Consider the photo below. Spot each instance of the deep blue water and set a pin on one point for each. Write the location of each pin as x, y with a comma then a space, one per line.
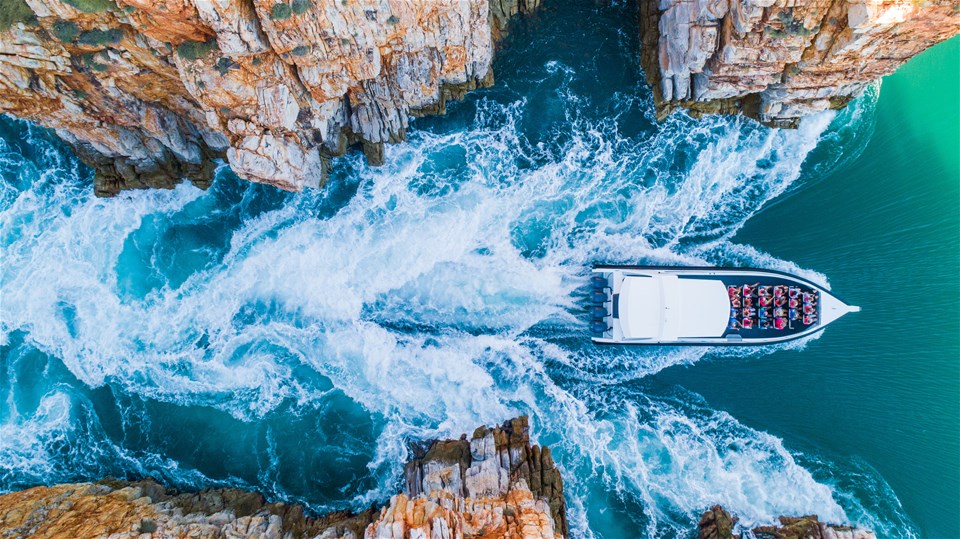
294, 343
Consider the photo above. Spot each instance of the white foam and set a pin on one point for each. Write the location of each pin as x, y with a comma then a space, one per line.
437, 301
26, 443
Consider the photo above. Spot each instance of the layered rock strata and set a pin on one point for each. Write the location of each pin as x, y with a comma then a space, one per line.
717, 523
779, 60
494, 485
148, 91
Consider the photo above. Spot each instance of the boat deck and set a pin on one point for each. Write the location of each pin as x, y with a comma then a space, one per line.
792, 326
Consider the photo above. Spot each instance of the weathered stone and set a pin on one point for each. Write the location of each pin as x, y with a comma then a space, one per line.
491, 465
456, 489
149, 91
717, 523
779, 60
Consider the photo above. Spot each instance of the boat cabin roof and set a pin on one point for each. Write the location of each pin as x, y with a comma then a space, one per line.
666, 307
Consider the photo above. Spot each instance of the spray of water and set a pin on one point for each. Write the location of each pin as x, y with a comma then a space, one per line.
437, 293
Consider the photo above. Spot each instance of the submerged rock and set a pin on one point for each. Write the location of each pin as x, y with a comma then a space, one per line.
717, 523
494, 485
150, 91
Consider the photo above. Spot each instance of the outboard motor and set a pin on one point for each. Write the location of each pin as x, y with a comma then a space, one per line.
599, 282
598, 312
598, 297
599, 327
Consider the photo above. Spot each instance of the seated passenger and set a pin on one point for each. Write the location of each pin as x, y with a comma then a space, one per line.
766, 301
735, 302
794, 303
808, 297
765, 313
764, 323
779, 312
780, 323
766, 291
747, 323
794, 314
809, 319
733, 291
794, 292
734, 324
748, 302
749, 312
809, 309
779, 291
750, 289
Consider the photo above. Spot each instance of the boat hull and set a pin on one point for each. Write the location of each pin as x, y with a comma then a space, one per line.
701, 306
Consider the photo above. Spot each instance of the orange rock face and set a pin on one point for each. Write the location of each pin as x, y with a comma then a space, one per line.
778, 60
493, 486
149, 91
70, 511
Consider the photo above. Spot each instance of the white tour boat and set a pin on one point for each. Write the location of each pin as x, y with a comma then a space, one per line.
706, 306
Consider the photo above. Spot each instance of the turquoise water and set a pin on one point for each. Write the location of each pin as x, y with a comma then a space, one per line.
294, 343
883, 388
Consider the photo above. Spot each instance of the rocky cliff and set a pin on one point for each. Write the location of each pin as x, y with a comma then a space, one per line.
778, 60
148, 91
494, 485
717, 523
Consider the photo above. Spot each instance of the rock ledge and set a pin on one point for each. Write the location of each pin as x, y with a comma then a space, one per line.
717, 523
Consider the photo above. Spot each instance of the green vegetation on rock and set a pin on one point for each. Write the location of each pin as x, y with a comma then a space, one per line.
194, 50
281, 11
224, 65
100, 37
300, 7
92, 6
14, 11
302, 50
65, 31
791, 27
284, 10
90, 60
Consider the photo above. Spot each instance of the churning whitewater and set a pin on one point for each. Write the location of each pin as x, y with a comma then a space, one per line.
294, 343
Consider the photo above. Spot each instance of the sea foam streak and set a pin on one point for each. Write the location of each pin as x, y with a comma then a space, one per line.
444, 293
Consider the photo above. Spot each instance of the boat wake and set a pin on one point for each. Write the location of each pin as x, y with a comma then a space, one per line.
295, 343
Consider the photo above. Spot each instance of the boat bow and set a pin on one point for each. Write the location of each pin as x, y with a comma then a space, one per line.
832, 308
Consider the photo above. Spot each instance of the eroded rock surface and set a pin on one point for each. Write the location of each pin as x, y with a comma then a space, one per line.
493, 486
717, 523
148, 91
778, 60
508, 487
